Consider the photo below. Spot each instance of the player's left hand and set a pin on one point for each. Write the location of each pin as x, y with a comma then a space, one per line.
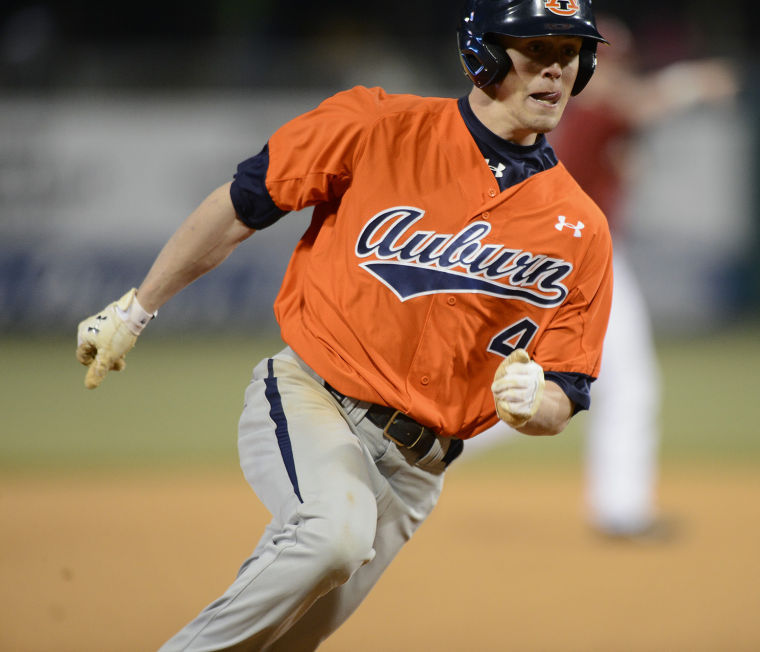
517, 388
105, 338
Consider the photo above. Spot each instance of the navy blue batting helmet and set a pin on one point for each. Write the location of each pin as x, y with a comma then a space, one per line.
485, 60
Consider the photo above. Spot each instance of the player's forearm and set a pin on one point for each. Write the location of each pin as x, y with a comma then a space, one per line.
553, 414
206, 238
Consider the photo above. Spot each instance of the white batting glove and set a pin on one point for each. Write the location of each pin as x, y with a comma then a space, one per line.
517, 388
105, 338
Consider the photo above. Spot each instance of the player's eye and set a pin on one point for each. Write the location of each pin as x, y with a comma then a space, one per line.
535, 47
573, 46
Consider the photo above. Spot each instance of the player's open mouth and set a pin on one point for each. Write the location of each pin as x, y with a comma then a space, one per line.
548, 99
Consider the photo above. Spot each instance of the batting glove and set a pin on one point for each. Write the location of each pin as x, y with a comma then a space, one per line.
105, 338
517, 388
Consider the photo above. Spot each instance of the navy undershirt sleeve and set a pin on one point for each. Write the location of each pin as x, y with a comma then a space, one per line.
576, 386
253, 204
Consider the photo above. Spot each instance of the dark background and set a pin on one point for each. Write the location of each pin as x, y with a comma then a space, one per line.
233, 43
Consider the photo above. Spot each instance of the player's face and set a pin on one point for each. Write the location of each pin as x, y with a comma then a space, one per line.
538, 85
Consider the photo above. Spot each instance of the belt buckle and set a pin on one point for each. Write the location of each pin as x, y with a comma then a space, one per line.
396, 441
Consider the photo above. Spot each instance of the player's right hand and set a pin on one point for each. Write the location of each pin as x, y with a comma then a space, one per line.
104, 339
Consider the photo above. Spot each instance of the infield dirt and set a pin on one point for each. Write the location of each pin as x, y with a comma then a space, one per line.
119, 562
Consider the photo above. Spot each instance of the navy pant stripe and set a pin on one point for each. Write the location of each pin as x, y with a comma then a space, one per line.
277, 415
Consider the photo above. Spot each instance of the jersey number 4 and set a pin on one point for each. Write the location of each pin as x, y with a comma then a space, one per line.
516, 336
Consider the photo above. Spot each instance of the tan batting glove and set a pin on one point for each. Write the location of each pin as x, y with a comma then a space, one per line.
518, 387
105, 338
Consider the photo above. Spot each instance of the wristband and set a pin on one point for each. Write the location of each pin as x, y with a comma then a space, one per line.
132, 313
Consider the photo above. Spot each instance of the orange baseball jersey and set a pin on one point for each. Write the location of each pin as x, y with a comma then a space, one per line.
417, 276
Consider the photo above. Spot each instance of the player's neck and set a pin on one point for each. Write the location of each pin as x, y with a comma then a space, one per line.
497, 118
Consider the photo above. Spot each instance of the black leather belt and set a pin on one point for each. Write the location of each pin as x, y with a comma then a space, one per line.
403, 430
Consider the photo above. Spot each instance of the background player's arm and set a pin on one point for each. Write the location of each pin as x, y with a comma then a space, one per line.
642, 99
205, 239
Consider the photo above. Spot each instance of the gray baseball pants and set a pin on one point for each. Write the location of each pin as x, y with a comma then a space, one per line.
343, 499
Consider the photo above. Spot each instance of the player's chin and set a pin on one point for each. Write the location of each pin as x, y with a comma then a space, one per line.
543, 121
544, 124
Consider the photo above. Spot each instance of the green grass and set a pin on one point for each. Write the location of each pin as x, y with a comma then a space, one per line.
179, 400
711, 397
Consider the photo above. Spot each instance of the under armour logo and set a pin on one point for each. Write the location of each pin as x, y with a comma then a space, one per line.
94, 328
498, 171
562, 223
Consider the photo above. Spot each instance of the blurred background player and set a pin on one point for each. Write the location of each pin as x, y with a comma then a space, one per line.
595, 141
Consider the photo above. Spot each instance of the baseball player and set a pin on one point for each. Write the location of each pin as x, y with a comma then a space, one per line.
453, 274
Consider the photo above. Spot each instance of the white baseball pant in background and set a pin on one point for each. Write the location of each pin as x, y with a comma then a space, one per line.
623, 431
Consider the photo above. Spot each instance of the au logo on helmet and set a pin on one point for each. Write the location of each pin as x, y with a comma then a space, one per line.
562, 7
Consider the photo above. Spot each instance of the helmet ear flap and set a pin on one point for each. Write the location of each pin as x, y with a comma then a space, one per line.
484, 62
586, 66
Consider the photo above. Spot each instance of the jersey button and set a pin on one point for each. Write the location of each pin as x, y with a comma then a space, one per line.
425, 380
486, 215
452, 301
492, 193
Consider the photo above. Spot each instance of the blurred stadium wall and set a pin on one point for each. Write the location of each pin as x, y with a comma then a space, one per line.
92, 187
114, 127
